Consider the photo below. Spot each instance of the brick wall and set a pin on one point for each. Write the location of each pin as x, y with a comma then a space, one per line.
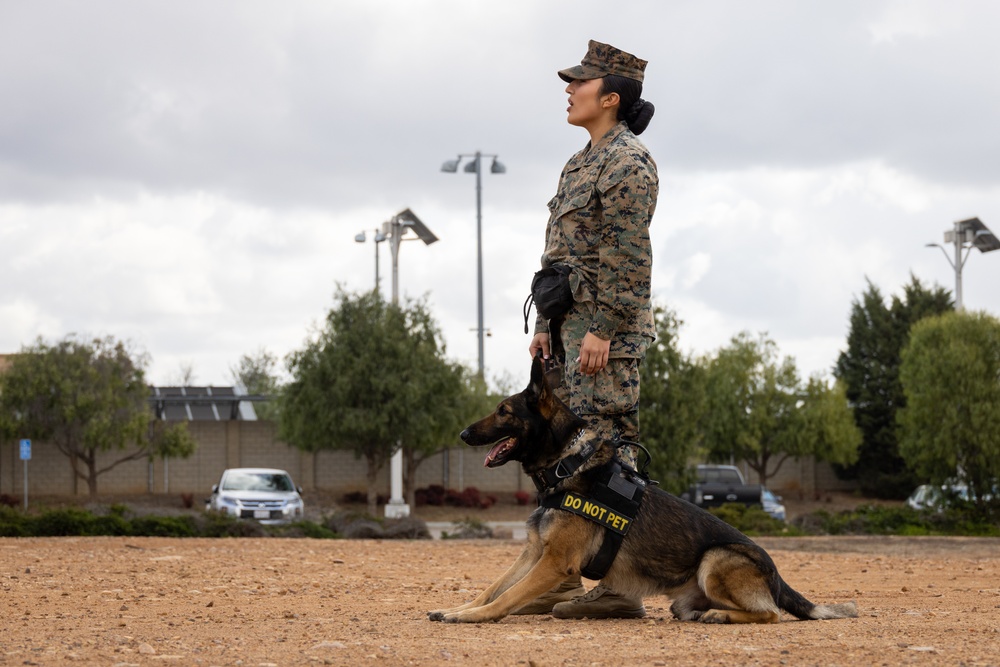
234, 444
801, 478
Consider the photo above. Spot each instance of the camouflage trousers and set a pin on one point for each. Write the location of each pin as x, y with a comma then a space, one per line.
608, 400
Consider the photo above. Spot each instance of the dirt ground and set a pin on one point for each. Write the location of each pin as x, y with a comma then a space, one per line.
270, 601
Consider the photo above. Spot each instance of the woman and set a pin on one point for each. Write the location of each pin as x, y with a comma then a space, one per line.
599, 227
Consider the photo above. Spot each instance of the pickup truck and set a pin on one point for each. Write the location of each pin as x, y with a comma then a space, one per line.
720, 484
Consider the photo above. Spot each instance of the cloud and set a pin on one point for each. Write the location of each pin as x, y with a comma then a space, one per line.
191, 176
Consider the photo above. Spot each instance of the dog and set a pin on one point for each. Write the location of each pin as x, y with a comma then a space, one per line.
711, 571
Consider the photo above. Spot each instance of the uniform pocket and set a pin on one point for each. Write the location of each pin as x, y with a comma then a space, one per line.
574, 202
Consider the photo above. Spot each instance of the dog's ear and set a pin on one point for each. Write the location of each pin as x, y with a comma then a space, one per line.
538, 389
537, 383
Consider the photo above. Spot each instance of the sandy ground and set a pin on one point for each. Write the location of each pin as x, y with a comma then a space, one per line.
156, 601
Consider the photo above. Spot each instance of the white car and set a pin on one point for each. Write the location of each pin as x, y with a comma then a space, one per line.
930, 497
265, 494
772, 504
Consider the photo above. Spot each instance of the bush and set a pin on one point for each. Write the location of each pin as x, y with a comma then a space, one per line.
63, 523
363, 529
361, 498
468, 528
875, 520
303, 529
220, 524
436, 495
13, 523
433, 495
409, 528
164, 526
752, 520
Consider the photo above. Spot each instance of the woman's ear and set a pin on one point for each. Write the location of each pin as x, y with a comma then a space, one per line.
610, 100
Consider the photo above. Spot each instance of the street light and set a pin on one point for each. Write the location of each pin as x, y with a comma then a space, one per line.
475, 167
378, 237
966, 235
395, 230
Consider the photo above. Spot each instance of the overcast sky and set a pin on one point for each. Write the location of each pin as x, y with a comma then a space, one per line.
190, 176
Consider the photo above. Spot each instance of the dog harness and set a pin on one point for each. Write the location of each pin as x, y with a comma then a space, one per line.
613, 504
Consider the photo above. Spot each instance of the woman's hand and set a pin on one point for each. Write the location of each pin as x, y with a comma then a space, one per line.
593, 354
539, 343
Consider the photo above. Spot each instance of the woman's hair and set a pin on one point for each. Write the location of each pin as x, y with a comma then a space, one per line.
634, 110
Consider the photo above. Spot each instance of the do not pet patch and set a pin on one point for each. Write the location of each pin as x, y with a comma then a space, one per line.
596, 512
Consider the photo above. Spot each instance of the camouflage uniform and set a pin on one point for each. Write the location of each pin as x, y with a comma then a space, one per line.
599, 224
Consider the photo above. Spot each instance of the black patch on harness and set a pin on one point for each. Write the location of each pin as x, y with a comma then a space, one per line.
613, 503
595, 511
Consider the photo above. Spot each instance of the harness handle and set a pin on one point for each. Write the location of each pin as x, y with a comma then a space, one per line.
645, 466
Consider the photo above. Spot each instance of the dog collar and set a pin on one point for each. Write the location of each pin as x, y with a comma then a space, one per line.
547, 478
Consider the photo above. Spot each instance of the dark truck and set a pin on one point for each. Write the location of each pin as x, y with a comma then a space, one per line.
719, 484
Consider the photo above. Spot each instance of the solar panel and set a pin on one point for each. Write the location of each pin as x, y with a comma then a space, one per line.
203, 404
979, 235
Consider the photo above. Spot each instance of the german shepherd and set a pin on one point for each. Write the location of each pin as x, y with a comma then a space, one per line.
713, 572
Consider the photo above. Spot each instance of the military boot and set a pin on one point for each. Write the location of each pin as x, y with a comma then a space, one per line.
543, 604
600, 602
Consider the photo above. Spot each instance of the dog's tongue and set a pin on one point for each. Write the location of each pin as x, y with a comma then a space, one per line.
498, 453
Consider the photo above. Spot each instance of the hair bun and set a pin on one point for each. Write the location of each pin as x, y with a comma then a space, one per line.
639, 115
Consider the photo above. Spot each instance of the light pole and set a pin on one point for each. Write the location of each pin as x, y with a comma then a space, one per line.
378, 237
395, 231
475, 166
966, 235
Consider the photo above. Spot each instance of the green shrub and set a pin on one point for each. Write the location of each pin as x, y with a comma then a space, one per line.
882, 520
753, 520
65, 522
13, 523
303, 529
163, 526
220, 524
111, 524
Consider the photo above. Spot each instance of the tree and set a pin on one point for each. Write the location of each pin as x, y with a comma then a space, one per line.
87, 398
372, 381
950, 427
869, 369
257, 374
758, 410
828, 423
452, 397
671, 404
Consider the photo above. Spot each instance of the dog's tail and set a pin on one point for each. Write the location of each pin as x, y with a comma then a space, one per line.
797, 605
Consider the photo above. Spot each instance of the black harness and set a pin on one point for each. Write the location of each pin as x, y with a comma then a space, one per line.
613, 501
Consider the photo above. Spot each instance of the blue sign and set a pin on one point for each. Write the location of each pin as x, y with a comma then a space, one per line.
26, 450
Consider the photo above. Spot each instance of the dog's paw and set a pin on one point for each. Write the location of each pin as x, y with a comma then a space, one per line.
688, 615
714, 616
468, 616
459, 617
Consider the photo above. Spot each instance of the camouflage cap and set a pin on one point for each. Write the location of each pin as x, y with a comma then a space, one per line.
604, 59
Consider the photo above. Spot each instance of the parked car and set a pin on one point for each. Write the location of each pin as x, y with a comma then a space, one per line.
772, 504
717, 485
931, 497
267, 495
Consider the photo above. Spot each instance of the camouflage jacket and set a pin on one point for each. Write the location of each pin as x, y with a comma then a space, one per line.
599, 224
